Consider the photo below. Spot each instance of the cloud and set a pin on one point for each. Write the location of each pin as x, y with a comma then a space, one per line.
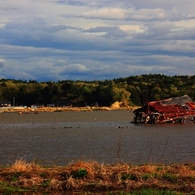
1, 65
106, 13
97, 39
108, 32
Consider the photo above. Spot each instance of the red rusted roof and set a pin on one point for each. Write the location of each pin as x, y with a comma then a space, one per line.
181, 104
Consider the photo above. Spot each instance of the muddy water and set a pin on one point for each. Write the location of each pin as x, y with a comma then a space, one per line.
105, 136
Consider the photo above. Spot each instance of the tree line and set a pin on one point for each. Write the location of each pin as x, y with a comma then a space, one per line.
133, 90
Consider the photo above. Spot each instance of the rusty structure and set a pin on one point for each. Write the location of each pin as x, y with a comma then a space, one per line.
171, 110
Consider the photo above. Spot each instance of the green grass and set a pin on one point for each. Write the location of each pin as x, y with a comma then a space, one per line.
140, 192
8, 188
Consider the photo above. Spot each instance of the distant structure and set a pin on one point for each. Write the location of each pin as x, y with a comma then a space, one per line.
171, 110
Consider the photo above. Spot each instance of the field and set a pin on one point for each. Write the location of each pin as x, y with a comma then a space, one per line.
83, 177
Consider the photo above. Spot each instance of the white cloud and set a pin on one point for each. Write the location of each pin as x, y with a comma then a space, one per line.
106, 13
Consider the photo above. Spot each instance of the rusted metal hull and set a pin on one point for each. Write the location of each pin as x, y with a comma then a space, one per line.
171, 110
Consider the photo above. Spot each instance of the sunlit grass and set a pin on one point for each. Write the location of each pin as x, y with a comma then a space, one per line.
84, 177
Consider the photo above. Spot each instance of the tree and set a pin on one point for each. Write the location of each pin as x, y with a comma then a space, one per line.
120, 94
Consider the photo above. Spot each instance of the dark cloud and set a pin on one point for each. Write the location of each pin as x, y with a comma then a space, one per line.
2, 65
70, 2
110, 32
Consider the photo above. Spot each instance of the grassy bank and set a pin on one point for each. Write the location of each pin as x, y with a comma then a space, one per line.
22, 110
84, 177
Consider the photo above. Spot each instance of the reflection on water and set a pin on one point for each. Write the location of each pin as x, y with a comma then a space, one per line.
105, 136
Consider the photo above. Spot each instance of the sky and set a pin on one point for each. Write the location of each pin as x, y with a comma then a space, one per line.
54, 40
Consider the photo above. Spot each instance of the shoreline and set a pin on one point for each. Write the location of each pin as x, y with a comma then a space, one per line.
24, 110
91, 177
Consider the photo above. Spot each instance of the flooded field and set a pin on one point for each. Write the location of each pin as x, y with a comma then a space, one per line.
105, 136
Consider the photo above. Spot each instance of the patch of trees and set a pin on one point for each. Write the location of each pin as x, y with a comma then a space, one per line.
133, 90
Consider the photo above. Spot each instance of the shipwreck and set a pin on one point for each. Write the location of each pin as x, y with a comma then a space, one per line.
172, 110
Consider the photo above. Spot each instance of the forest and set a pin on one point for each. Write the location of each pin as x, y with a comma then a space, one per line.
133, 90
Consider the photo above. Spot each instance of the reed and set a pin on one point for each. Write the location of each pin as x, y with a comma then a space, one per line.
85, 177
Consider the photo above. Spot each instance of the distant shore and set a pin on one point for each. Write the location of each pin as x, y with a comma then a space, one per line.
28, 110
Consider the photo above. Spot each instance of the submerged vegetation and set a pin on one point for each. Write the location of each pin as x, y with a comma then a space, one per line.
133, 90
84, 177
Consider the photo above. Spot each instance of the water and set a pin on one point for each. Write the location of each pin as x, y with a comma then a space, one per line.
59, 138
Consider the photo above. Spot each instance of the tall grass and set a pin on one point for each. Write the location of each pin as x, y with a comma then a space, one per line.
91, 177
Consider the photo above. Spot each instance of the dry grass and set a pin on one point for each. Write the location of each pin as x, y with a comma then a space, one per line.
64, 109
84, 176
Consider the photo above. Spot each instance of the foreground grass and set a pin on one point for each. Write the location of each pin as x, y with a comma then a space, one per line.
88, 178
